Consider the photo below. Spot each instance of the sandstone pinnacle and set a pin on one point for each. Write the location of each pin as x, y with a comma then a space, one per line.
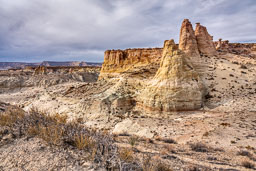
176, 85
188, 41
204, 41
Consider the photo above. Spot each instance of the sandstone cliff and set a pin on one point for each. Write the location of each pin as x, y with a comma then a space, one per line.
176, 85
118, 61
204, 41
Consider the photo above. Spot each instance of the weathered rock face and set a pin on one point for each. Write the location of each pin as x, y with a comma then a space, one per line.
204, 41
254, 48
42, 77
245, 49
222, 46
188, 41
118, 61
40, 70
176, 85
188, 44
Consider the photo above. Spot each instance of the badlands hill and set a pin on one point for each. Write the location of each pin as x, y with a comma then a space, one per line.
191, 105
22, 65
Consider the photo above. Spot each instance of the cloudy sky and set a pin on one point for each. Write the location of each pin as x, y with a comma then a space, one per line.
81, 30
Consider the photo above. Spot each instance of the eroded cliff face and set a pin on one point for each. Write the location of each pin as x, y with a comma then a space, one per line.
204, 41
188, 42
118, 61
245, 49
176, 85
43, 76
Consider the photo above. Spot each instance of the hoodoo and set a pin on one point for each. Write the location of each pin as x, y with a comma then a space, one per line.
188, 41
188, 44
176, 85
204, 41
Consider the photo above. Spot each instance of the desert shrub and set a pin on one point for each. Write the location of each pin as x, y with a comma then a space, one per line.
133, 140
243, 67
244, 153
33, 131
83, 142
166, 140
169, 141
248, 164
199, 147
150, 164
98, 147
9, 117
126, 155
162, 167
52, 134
170, 148
206, 134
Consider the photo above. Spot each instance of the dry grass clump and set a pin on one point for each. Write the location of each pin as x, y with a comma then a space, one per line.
244, 153
126, 154
133, 140
52, 134
199, 147
84, 142
166, 140
98, 147
9, 117
150, 164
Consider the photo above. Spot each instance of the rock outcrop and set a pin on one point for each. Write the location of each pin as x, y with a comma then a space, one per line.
188, 41
188, 44
118, 61
204, 41
42, 77
40, 70
222, 46
176, 85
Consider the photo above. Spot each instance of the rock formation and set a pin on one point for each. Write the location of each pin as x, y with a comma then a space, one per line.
176, 85
40, 70
118, 61
188, 44
222, 46
253, 48
204, 41
188, 41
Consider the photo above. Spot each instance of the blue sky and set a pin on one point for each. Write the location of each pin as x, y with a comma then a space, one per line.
81, 30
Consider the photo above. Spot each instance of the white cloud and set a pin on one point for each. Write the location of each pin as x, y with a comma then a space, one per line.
66, 29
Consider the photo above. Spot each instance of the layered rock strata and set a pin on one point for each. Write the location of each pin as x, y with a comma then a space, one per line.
204, 41
118, 61
176, 85
188, 44
222, 46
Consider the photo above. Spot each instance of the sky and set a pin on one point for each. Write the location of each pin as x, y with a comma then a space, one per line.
81, 30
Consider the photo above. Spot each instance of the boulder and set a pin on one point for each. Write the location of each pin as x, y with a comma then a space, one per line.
132, 128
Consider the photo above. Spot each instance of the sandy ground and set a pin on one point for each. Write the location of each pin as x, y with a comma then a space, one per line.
227, 123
